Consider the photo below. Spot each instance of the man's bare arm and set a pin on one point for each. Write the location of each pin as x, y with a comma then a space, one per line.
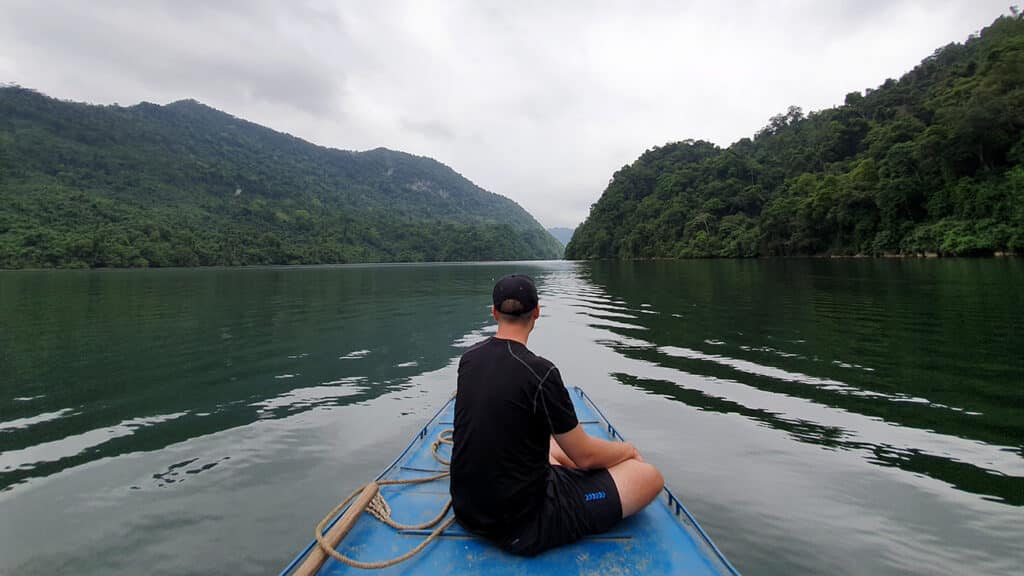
589, 452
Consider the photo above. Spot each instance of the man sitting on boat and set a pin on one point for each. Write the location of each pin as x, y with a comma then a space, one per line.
523, 472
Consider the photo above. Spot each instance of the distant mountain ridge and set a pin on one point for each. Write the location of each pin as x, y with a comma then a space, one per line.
185, 184
932, 163
563, 235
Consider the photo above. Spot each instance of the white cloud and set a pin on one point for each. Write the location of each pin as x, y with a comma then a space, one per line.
538, 101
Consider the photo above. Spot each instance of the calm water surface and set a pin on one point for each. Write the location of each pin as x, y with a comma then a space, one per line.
849, 417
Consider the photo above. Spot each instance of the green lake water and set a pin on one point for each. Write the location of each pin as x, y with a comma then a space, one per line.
827, 417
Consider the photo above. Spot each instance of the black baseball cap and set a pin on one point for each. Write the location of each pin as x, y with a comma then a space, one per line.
516, 287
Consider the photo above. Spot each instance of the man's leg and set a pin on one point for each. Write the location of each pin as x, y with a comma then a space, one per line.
558, 457
638, 484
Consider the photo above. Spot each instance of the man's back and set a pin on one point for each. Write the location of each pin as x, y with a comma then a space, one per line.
509, 403
524, 473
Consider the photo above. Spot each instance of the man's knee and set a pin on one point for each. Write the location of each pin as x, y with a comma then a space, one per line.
657, 478
638, 483
652, 479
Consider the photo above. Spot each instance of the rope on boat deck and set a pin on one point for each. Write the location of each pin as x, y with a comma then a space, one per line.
379, 509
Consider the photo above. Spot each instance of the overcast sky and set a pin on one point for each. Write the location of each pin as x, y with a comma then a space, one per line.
537, 101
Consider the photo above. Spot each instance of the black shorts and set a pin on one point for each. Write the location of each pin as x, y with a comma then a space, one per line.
577, 503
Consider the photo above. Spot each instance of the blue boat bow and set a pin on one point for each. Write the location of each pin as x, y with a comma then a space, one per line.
662, 539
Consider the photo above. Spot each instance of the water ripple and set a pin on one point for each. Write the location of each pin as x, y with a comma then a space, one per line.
70, 446
22, 423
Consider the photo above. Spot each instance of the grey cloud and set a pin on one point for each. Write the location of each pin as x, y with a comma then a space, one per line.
429, 129
188, 49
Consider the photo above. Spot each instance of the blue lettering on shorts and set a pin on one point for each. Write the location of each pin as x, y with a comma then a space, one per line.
591, 496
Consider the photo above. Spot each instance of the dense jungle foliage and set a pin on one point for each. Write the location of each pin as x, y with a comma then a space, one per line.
187, 185
931, 163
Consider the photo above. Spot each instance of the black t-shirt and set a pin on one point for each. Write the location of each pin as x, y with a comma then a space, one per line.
508, 404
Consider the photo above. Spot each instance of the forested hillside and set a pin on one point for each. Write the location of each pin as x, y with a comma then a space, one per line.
931, 163
187, 185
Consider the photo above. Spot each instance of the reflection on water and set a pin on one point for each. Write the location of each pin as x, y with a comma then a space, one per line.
93, 358
870, 411
950, 408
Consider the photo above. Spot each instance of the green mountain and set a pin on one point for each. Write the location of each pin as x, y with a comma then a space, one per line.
187, 185
931, 163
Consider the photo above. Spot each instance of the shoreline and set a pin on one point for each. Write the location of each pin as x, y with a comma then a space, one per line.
1001, 255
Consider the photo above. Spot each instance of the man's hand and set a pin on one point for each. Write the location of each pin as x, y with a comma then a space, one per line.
589, 452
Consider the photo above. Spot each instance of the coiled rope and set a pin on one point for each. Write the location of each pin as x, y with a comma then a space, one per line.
373, 502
